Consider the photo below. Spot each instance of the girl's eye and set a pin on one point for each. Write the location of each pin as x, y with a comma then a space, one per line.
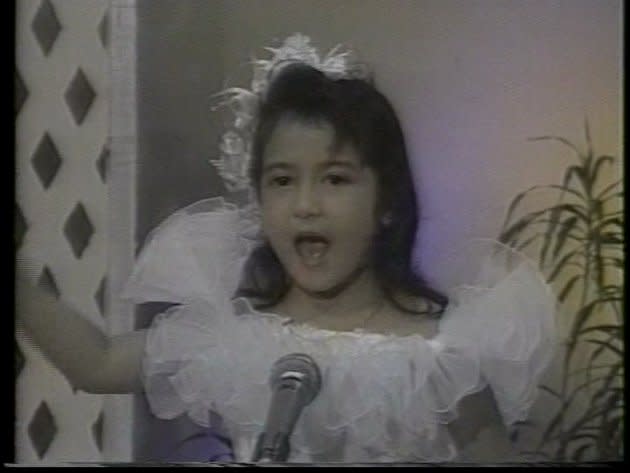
280, 181
336, 179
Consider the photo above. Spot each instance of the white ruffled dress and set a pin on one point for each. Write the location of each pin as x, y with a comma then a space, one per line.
384, 398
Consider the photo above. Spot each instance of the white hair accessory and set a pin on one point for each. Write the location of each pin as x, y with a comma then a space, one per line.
236, 142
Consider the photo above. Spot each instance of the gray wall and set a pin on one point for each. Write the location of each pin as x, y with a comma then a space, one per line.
470, 79
179, 68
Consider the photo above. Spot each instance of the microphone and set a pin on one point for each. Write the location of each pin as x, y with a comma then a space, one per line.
295, 381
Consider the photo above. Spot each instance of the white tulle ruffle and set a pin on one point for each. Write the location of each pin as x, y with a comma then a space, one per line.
383, 397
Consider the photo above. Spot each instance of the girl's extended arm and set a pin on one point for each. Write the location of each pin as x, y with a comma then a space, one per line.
90, 360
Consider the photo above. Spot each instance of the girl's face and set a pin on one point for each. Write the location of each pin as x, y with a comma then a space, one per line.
318, 206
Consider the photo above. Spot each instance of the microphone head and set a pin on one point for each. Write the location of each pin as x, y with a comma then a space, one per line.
298, 367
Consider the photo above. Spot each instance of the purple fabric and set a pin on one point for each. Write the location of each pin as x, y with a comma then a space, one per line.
205, 446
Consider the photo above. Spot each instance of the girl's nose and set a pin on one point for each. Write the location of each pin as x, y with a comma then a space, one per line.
306, 204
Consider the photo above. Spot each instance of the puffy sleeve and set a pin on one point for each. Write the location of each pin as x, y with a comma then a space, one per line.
198, 252
194, 259
503, 310
191, 366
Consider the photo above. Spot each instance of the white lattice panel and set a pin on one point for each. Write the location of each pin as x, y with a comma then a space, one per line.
62, 130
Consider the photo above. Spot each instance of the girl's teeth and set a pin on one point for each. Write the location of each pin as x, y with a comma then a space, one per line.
312, 252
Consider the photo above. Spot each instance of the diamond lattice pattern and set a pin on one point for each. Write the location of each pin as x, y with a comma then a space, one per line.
46, 26
79, 96
21, 92
46, 160
62, 75
42, 429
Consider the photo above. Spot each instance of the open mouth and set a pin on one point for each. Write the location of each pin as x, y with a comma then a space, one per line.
312, 247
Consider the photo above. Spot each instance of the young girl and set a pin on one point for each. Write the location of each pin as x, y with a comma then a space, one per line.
322, 267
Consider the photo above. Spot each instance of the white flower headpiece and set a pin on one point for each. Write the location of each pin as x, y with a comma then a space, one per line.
236, 142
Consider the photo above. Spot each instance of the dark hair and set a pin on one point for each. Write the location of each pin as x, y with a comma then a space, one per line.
363, 117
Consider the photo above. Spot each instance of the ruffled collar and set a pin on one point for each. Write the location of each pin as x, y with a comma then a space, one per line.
308, 331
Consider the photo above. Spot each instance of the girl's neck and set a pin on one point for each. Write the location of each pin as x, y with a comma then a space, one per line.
345, 310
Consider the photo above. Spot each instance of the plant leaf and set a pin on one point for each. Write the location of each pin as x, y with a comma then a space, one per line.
580, 370
563, 189
536, 453
611, 431
580, 173
612, 290
582, 386
554, 218
614, 213
611, 238
602, 224
550, 391
587, 133
581, 317
568, 287
583, 436
557, 419
553, 425
514, 203
595, 355
557, 138
517, 227
616, 195
613, 373
617, 262
578, 455
599, 162
511, 235
585, 175
562, 235
608, 345
577, 237
563, 223
564, 261
588, 416
578, 211
610, 395
599, 265
529, 241
608, 188
616, 329
584, 313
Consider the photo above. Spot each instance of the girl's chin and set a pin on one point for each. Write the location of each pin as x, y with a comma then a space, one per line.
324, 285
316, 288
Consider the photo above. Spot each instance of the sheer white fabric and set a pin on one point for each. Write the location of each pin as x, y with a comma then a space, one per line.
383, 397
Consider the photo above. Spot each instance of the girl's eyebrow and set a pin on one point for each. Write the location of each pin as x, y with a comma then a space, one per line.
340, 162
283, 166
276, 166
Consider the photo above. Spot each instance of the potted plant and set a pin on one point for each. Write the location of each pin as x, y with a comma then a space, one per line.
579, 244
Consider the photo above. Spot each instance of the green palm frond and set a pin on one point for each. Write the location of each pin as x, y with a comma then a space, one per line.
580, 242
